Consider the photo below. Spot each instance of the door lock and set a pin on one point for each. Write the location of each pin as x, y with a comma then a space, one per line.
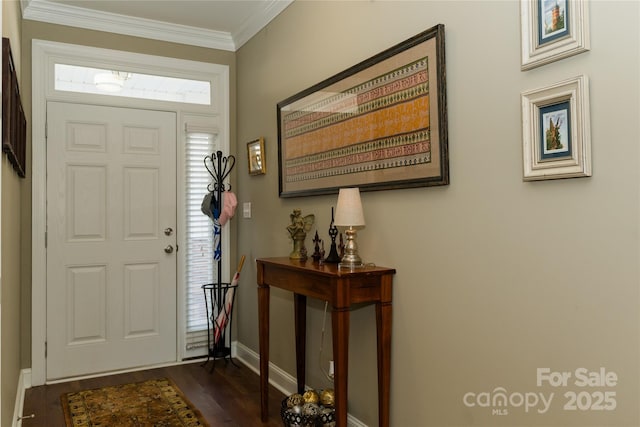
168, 231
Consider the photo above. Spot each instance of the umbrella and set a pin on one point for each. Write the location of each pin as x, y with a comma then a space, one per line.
223, 315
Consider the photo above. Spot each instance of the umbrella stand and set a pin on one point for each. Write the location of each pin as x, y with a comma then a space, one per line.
219, 315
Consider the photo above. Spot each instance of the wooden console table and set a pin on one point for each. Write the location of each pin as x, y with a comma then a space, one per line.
341, 288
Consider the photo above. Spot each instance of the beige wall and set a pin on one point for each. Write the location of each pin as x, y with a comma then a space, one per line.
41, 31
12, 190
496, 277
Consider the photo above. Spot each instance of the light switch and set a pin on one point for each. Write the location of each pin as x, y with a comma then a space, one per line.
246, 210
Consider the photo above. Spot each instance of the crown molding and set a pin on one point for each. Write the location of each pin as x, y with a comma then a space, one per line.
62, 14
270, 9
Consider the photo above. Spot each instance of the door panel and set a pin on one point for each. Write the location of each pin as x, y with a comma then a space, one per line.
86, 322
86, 185
111, 287
141, 203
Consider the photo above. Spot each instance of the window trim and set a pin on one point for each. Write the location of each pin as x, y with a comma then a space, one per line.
44, 55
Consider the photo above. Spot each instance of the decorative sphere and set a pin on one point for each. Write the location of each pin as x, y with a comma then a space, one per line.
311, 396
295, 400
328, 397
327, 417
311, 409
297, 409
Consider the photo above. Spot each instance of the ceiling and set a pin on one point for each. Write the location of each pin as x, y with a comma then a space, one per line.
218, 24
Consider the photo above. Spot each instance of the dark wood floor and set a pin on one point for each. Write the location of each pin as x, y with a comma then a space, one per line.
229, 396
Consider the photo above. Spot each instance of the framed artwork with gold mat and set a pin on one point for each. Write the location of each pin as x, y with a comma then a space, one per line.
380, 124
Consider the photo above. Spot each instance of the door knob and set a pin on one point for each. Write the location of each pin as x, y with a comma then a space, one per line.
168, 249
168, 231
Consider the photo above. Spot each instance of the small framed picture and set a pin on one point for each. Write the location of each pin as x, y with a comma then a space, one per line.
556, 133
553, 30
255, 152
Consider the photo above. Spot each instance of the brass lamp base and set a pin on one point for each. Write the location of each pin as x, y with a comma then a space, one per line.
350, 266
351, 260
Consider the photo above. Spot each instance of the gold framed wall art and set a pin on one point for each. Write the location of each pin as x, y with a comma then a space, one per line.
256, 158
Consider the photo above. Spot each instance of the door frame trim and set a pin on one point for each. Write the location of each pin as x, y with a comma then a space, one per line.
44, 56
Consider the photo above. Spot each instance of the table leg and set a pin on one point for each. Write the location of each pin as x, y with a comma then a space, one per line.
300, 309
383, 326
340, 330
263, 320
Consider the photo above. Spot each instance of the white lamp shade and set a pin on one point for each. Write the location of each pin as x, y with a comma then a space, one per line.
349, 209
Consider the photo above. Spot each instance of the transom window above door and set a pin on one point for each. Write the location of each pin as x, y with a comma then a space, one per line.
74, 78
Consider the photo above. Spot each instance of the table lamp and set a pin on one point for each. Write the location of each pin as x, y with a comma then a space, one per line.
349, 214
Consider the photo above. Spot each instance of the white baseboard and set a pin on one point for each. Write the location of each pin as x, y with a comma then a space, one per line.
24, 382
278, 378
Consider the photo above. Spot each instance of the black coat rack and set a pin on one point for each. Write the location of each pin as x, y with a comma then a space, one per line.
219, 167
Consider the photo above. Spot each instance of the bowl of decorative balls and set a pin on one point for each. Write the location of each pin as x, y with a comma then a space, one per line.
311, 409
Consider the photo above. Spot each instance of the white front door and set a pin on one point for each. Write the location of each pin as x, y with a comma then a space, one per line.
111, 220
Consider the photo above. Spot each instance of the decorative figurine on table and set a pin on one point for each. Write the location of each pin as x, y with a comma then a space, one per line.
333, 257
317, 255
298, 229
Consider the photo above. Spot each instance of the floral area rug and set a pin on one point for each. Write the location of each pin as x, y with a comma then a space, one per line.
152, 403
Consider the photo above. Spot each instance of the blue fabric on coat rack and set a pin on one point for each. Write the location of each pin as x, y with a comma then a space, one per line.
217, 249
210, 209
217, 237
215, 207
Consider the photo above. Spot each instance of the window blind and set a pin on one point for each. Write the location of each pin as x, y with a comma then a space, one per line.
200, 267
